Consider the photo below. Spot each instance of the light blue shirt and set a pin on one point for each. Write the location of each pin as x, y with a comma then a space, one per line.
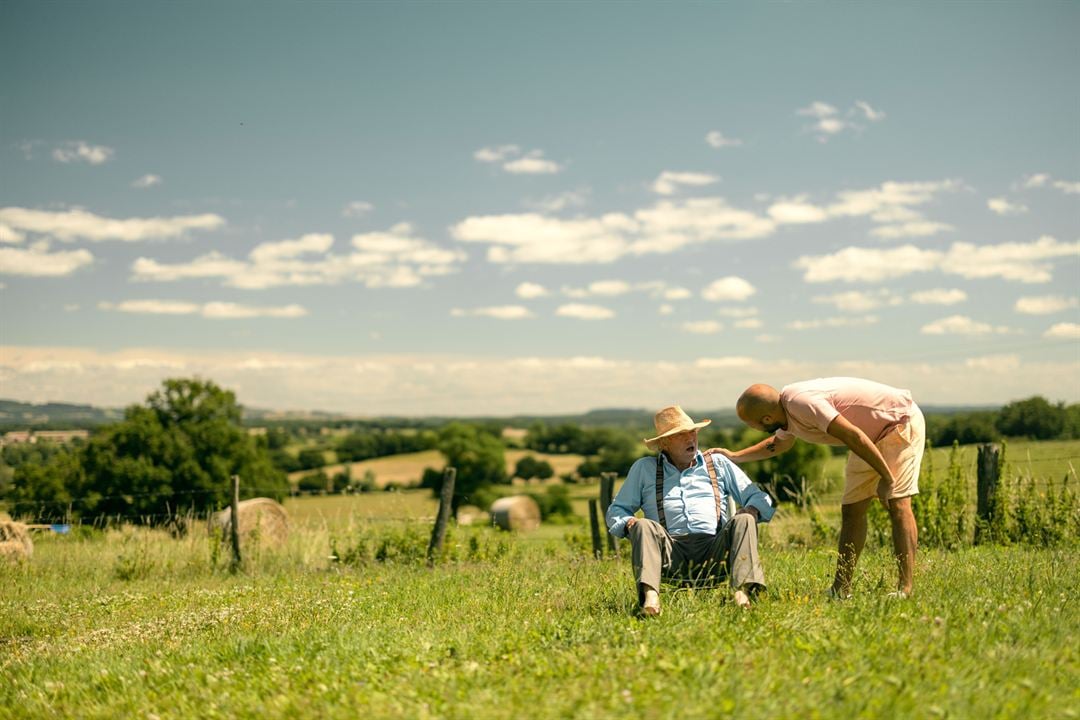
689, 506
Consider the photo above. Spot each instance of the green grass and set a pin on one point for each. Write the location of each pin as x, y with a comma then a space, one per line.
135, 623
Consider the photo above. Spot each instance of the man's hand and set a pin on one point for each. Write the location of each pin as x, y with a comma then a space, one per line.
884, 488
750, 510
729, 454
630, 523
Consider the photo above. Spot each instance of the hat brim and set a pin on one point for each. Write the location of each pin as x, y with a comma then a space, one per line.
653, 443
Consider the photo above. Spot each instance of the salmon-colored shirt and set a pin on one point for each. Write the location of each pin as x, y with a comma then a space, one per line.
811, 405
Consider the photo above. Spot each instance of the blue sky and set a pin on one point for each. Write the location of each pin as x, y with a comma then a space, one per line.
476, 208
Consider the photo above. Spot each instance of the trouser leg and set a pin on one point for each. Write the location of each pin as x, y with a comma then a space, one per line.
650, 553
737, 545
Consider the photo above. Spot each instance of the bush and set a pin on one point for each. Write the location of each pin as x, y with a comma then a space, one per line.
313, 482
529, 467
554, 504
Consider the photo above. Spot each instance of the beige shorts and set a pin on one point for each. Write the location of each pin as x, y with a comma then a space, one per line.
902, 447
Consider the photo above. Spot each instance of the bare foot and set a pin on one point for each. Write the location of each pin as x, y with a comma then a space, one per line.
742, 599
652, 603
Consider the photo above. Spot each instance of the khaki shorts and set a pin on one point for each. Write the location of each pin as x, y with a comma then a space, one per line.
902, 447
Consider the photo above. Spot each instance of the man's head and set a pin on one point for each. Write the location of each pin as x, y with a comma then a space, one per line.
759, 407
676, 434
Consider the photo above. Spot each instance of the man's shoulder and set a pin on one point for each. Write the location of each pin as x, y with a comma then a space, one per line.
645, 464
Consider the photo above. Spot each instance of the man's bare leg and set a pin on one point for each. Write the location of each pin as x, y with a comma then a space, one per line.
852, 540
905, 537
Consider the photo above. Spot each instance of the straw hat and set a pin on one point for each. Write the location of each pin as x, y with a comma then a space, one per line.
672, 421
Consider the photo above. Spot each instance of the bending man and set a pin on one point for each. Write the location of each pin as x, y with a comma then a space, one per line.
687, 529
886, 433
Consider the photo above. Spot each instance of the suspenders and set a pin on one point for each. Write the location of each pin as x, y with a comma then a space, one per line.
660, 488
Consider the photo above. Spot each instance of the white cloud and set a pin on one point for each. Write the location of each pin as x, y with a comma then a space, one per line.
702, 327
797, 211
1069, 188
356, 208
1045, 304
80, 151
828, 120
665, 309
10, 235
1037, 180
858, 301
147, 181
676, 293
832, 322
211, 310
499, 312
37, 261
1002, 206
961, 325
77, 224
515, 162
950, 296
394, 258
868, 112
602, 288
1040, 180
528, 290
725, 363
669, 181
1066, 330
752, 323
716, 139
817, 109
560, 201
920, 228
994, 363
891, 201
534, 238
737, 312
1022, 262
585, 312
727, 289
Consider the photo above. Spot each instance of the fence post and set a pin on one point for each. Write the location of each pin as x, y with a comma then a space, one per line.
234, 525
594, 524
986, 487
446, 496
607, 493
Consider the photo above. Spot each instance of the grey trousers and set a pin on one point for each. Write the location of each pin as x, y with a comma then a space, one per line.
733, 550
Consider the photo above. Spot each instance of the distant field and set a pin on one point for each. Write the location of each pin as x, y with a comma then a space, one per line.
407, 468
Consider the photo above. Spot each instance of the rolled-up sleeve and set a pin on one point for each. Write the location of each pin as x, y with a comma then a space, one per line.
745, 492
627, 501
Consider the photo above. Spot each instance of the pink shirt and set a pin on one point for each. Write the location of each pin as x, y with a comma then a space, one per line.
872, 407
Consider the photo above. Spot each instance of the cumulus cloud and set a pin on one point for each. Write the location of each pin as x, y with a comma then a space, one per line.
961, 325
10, 235
1002, 206
797, 211
1020, 262
868, 112
938, 296
751, 323
832, 322
828, 121
1067, 187
859, 301
560, 201
499, 312
585, 312
78, 224
601, 288
725, 363
210, 310
356, 208
737, 312
80, 151
528, 291
1066, 331
669, 181
920, 228
1040, 180
728, 289
702, 327
1045, 304
716, 139
514, 161
37, 261
392, 258
146, 181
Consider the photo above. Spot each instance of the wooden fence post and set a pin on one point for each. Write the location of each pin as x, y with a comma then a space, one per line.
986, 487
607, 494
594, 524
234, 525
446, 496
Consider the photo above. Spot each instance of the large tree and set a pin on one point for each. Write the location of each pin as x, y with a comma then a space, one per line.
1034, 418
476, 455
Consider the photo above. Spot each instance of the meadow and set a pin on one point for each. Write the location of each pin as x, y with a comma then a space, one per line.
347, 620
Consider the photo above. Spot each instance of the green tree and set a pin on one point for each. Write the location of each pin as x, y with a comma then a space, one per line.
311, 458
478, 457
529, 467
1034, 418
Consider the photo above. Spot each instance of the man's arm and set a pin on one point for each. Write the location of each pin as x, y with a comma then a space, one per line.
767, 448
626, 502
857, 441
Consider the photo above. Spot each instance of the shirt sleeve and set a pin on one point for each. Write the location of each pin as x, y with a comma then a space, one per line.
745, 492
628, 500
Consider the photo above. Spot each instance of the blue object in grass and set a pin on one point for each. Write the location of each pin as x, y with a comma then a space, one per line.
61, 529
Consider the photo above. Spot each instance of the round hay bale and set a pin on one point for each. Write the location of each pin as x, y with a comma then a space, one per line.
260, 518
516, 512
15, 541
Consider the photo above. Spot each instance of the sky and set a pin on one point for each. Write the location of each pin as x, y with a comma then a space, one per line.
477, 209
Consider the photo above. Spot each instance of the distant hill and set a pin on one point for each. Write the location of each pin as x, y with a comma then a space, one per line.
54, 415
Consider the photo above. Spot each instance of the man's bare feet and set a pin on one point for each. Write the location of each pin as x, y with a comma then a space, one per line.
651, 607
742, 599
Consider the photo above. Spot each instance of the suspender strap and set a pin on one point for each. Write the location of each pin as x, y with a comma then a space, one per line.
715, 486
660, 489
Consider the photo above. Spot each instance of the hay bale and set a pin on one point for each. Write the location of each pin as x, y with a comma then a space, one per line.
516, 512
15, 542
263, 518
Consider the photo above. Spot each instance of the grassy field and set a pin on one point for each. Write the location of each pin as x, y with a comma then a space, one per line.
135, 623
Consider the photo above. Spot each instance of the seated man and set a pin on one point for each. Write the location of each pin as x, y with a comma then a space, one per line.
686, 525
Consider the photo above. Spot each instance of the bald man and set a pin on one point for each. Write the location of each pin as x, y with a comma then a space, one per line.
885, 432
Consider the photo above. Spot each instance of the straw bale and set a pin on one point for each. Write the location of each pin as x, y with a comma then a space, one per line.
263, 517
516, 512
15, 541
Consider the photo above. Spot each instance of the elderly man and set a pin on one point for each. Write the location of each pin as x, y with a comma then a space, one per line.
885, 431
686, 529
